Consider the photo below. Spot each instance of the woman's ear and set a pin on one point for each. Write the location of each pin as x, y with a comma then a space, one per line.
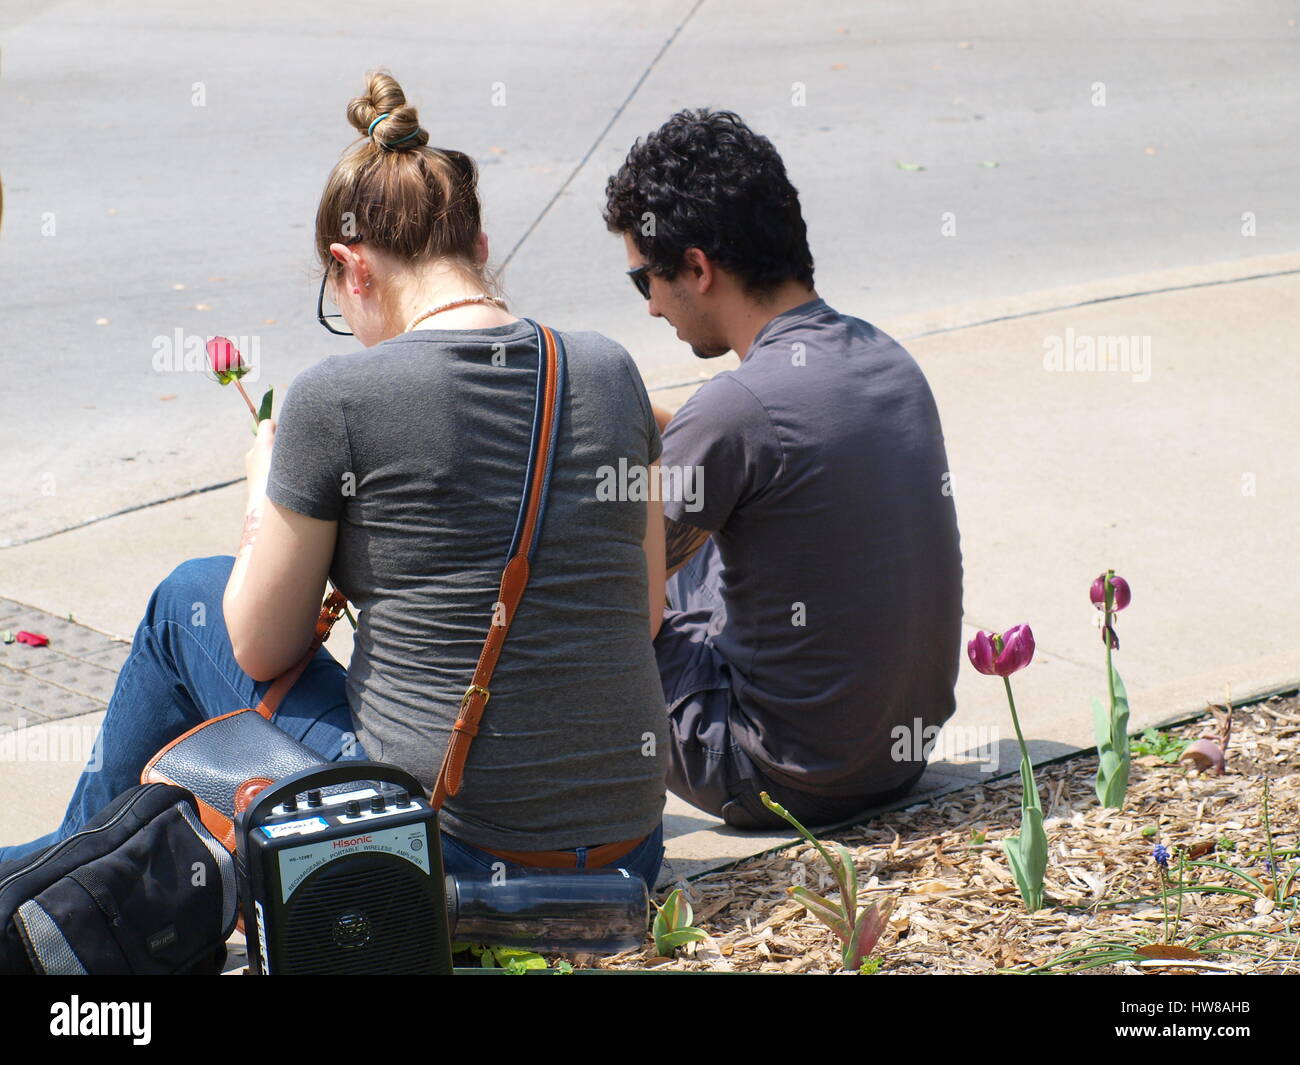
341, 252
481, 248
356, 274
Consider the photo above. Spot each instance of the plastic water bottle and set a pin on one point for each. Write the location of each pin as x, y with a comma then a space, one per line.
595, 911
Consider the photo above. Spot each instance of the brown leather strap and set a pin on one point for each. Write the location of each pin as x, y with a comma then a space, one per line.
330, 612
513, 581
605, 854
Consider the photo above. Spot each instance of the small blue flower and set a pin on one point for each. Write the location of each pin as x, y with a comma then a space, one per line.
1161, 856
1269, 866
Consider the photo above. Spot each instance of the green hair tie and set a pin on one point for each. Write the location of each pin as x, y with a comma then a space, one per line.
371, 132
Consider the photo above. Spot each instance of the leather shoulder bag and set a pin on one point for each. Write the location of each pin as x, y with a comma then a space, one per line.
227, 760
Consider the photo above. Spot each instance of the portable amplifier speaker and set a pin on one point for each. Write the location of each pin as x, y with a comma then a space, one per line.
340, 872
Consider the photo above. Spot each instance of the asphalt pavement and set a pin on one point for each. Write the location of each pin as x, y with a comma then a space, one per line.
162, 163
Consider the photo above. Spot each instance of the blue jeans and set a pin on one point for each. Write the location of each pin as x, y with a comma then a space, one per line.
182, 671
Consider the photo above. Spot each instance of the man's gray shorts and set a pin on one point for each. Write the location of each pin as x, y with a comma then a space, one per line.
706, 766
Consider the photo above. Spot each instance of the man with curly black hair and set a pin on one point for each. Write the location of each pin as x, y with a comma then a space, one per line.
813, 633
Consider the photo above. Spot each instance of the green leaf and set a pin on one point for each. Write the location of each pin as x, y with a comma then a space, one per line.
1027, 856
517, 959
1116, 759
867, 933
1028, 786
264, 411
660, 930
909, 166
676, 911
1253, 881
848, 881
672, 924
673, 940
1119, 728
1100, 725
989, 163
825, 911
1161, 744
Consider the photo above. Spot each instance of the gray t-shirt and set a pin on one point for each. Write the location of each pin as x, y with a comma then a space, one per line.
418, 447
825, 484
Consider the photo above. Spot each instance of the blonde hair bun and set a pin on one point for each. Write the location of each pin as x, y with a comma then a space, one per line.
400, 130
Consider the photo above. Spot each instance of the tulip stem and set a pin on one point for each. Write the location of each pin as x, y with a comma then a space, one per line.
1110, 684
1015, 720
251, 409
1117, 742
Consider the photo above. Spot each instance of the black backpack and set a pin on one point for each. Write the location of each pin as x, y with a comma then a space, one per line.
143, 889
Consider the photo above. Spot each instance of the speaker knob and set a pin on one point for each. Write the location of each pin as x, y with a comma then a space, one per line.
354, 808
377, 805
403, 798
313, 798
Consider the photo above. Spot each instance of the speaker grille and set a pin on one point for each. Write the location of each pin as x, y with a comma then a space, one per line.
366, 914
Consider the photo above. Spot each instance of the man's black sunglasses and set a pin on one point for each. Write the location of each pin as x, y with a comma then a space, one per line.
641, 278
321, 316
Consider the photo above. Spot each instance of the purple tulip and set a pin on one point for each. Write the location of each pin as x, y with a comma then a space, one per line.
1000, 656
1119, 589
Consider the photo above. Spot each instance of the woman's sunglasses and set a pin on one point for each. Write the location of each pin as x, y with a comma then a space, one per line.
321, 316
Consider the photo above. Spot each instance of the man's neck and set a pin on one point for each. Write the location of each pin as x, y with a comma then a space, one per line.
787, 297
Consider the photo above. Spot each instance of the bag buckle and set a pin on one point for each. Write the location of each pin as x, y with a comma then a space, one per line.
469, 693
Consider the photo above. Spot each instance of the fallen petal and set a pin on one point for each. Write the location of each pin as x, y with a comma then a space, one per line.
1204, 754
36, 639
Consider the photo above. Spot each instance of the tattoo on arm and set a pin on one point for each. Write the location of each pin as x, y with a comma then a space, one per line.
681, 541
252, 522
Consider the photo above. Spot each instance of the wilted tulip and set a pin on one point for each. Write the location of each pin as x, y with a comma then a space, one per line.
1121, 595
1111, 729
1000, 656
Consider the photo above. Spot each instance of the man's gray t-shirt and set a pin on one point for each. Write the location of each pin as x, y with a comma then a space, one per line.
825, 482
418, 447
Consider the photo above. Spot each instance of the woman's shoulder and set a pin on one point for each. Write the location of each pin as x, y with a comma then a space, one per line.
601, 357
593, 345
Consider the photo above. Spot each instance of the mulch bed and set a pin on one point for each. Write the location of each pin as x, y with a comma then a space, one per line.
958, 909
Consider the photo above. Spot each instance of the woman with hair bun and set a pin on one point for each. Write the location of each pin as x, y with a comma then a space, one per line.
395, 470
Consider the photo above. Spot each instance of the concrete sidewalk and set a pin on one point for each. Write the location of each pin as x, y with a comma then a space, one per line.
1177, 468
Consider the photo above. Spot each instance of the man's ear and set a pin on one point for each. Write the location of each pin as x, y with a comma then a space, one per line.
701, 270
